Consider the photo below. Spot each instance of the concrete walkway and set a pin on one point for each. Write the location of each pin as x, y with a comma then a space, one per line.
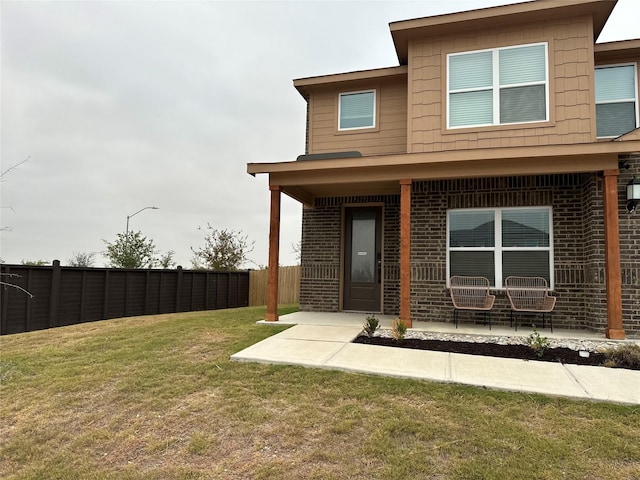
324, 344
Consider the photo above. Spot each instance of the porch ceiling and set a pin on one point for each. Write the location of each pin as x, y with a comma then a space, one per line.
307, 180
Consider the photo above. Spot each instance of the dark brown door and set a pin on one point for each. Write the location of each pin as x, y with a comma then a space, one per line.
362, 259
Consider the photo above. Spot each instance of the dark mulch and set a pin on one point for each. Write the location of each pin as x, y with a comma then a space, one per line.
524, 352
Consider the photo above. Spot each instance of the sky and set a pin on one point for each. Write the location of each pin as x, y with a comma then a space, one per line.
122, 105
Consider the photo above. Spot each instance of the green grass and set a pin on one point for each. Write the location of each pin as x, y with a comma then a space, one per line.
157, 398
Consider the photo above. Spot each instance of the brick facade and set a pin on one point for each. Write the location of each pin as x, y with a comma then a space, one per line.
321, 250
320, 258
576, 200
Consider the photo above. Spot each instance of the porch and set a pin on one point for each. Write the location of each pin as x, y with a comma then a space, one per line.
415, 193
356, 319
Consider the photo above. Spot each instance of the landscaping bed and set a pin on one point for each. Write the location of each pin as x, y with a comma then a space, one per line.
519, 351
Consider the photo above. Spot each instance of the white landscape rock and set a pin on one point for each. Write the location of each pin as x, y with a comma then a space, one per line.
573, 344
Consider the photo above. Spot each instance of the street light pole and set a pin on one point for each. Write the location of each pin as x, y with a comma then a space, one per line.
134, 214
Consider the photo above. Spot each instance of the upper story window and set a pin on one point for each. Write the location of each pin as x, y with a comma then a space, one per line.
498, 86
496, 243
616, 100
357, 110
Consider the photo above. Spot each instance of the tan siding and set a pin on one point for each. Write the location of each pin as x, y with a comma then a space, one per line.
390, 134
571, 84
411, 113
311, 107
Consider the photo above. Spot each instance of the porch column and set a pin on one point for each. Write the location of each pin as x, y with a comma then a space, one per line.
405, 251
274, 253
612, 255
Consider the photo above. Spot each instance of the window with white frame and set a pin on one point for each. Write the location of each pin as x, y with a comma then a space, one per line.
498, 86
616, 100
497, 243
357, 110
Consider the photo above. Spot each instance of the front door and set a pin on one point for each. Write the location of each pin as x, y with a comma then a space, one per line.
363, 259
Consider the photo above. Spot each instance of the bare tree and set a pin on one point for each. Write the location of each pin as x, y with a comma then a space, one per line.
82, 259
2, 174
13, 167
35, 263
297, 249
166, 260
3, 228
13, 285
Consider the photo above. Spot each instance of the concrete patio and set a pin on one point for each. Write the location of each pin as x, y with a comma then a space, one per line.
322, 340
465, 327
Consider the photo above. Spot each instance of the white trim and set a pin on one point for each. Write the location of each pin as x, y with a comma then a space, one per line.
495, 59
340, 95
498, 249
496, 87
622, 100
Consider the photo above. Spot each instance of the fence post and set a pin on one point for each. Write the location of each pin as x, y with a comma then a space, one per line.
5, 304
216, 284
160, 286
126, 294
54, 298
246, 304
147, 286
206, 290
83, 296
178, 288
27, 326
193, 275
105, 304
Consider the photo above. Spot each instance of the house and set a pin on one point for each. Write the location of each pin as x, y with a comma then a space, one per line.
502, 144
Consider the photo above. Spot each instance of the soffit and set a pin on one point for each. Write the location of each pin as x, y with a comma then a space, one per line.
305, 85
625, 49
307, 180
520, 13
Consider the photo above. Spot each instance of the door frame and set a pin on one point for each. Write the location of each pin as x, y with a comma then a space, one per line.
344, 207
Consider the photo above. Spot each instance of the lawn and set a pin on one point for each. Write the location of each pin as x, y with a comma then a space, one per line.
157, 398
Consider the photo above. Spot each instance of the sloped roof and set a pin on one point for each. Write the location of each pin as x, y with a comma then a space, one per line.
622, 49
303, 84
629, 136
518, 13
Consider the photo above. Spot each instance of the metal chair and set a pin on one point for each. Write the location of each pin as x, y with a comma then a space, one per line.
529, 295
471, 293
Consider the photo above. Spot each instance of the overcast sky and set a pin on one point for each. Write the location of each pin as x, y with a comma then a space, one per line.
123, 105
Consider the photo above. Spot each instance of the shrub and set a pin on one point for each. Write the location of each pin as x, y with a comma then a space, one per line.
537, 343
371, 324
626, 356
398, 330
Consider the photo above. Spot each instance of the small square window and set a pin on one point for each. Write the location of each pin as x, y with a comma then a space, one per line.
357, 110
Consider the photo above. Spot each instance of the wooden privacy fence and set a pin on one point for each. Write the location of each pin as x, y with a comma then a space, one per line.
288, 286
71, 295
